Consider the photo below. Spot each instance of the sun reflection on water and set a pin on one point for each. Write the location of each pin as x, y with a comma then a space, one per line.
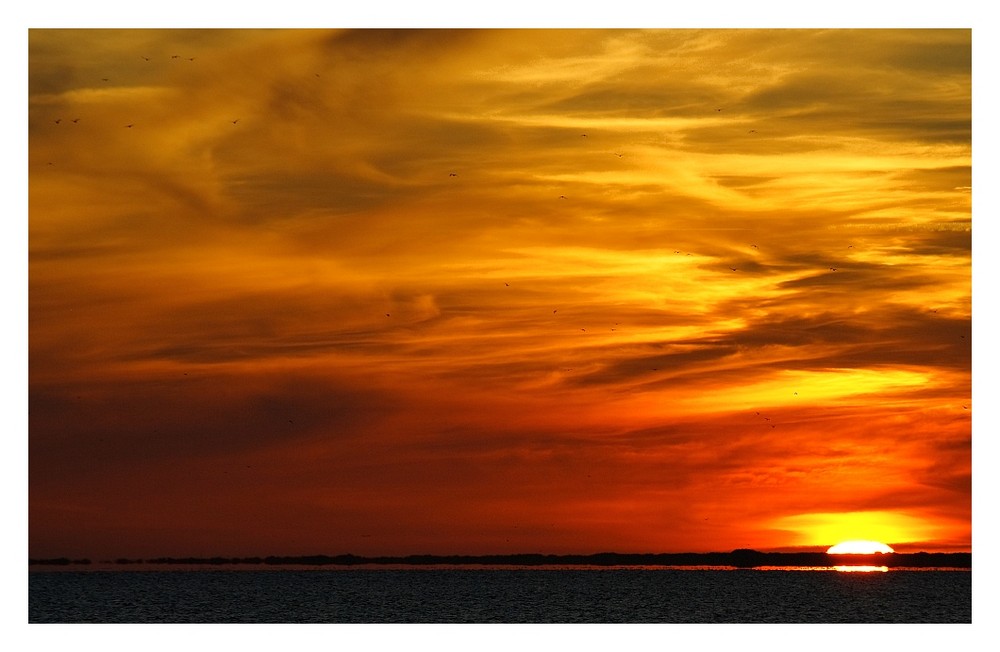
861, 569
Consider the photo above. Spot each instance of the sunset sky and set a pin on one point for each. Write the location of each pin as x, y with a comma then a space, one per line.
496, 291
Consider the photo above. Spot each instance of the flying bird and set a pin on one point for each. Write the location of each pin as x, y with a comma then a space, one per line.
752, 131
58, 120
733, 268
75, 120
145, 58
129, 126
236, 120
452, 174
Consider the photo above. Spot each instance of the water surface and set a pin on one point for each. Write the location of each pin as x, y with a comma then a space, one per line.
454, 595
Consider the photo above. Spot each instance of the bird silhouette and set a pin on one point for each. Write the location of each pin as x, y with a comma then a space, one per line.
752, 131
129, 126
75, 120
452, 174
58, 120
236, 120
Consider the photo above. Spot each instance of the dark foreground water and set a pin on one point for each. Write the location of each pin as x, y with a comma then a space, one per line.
500, 596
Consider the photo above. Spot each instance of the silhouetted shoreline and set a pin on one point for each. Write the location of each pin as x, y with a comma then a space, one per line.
737, 559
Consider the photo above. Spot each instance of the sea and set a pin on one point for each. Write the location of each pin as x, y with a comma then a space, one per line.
501, 595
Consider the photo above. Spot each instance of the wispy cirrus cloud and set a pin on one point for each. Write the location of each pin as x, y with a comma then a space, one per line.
417, 278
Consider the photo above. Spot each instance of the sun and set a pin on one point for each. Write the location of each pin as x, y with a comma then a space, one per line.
858, 547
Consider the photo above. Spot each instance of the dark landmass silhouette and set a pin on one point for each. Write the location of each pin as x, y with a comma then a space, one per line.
741, 558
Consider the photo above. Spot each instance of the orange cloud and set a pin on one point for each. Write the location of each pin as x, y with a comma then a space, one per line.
484, 290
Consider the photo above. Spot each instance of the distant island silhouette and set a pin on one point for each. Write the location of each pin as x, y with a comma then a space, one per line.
740, 558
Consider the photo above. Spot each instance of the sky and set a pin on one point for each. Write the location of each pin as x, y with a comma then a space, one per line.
472, 291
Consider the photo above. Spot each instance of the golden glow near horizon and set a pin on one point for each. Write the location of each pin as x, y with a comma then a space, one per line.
895, 526
487, 291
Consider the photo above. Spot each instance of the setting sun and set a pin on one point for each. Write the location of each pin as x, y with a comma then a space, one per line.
858, 547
